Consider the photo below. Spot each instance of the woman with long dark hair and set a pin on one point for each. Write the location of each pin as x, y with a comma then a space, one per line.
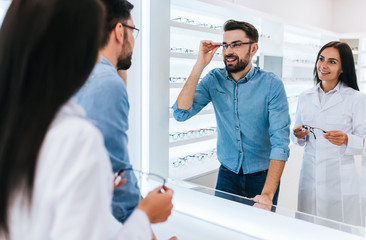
55, 174
330, 123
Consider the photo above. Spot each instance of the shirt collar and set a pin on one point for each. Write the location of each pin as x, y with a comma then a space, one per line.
336, 89
104, 60
247, 77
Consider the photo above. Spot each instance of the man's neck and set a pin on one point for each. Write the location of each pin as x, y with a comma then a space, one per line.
109, 55
239, 75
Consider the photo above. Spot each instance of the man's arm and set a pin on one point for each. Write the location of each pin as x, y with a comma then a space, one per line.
206, 53
273, 178
279, 130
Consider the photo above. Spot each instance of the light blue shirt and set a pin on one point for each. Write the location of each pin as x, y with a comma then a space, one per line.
104, 98
253, 122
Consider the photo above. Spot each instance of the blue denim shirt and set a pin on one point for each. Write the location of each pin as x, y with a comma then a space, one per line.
253, 122
104, 98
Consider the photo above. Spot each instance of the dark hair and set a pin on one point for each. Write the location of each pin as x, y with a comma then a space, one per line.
348, 75
116, 11
248, 28
47, 50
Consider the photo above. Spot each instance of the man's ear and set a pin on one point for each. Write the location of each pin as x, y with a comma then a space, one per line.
118, 33
254, 49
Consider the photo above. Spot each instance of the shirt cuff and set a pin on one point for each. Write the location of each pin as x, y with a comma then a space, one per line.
179, 114
354, 146
279, 154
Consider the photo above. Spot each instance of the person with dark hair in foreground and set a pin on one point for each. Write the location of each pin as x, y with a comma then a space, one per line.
55, 174
330, 123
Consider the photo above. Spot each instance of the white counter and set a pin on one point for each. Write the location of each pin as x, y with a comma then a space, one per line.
198, 215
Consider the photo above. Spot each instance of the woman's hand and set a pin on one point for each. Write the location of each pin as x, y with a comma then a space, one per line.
157, 204
337, 137
300, 132
118, 181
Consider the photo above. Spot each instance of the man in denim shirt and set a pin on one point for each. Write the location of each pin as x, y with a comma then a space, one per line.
104, 97
251, 112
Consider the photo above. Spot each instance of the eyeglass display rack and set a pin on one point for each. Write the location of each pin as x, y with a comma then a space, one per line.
288, 50
188, 26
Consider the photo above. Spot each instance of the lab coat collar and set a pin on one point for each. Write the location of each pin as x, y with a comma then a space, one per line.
71, 108
337, 97
337, 87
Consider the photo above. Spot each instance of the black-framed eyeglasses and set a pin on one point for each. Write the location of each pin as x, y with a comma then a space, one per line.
234, 45
311, 129
134, 29
148, 176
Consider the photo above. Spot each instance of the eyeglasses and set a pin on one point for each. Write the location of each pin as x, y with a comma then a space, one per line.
183, 50
135, 30
144, 177
234, 45
311, 129
192, 133
197, 156
193, 22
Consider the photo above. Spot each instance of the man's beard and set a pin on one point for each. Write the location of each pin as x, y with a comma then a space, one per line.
241, 63
124, 62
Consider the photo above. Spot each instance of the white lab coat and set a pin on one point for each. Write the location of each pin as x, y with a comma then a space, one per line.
329, 180
73, 188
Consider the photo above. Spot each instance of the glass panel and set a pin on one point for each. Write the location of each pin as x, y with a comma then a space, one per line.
355, 230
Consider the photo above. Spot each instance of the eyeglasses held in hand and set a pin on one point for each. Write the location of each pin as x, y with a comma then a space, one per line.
311, 129
148, 176
234, 45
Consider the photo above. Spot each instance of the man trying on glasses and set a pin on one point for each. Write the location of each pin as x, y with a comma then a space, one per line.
251, 112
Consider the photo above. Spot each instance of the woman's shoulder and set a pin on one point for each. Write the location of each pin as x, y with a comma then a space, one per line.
71, 125
308, 92
348, 91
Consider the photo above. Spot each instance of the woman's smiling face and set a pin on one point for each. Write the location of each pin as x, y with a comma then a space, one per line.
329, 65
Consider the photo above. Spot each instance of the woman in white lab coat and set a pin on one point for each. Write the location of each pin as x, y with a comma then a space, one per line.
55, 174
331, 123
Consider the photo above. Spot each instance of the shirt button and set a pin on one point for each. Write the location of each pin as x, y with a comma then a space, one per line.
235, 100
238, 140
241, 152
237, 127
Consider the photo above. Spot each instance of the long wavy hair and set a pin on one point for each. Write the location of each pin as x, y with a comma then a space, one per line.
47, 50
348, 76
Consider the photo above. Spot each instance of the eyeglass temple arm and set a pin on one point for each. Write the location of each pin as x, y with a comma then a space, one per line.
320, 129
124, 169
154, 174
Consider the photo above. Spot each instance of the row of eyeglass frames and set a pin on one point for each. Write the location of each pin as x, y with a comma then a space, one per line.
197, 157
192, 133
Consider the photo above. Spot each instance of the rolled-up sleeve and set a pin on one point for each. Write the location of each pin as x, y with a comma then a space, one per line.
200, 100
279, 122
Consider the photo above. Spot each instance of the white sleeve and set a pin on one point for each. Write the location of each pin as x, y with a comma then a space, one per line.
137, 227
356, 138
83, 189
298, 122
